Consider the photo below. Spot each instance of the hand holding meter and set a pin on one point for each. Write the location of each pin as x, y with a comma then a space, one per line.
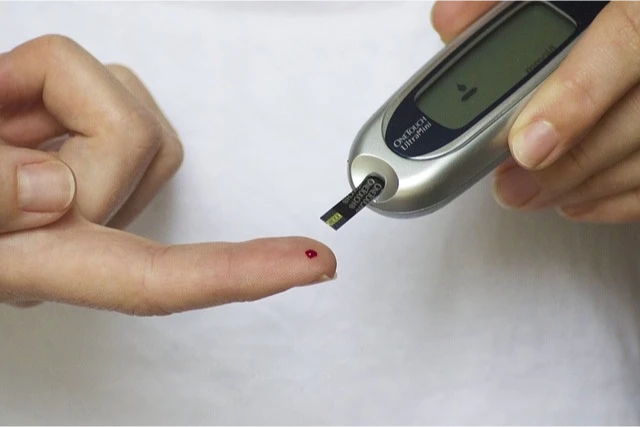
446, 127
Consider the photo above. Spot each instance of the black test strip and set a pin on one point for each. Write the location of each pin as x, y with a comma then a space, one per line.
346, 209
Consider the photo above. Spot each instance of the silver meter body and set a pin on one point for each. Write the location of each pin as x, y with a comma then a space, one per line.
446, 127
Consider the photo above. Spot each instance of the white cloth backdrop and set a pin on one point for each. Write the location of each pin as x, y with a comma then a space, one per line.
471, 315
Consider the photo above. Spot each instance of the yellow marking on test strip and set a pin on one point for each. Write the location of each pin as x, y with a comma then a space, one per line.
335, 218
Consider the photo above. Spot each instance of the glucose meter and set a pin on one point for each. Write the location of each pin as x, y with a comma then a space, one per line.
446, 127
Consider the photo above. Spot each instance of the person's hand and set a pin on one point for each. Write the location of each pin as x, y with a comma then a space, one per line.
576, 145
60, 209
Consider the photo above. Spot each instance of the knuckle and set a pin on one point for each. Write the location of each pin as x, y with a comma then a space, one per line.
124, 74
576, 84
121, 71
55, 44
143, 129
149, 130
172, 154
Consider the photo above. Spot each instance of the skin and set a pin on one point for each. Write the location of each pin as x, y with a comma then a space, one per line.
586, 164
118, 150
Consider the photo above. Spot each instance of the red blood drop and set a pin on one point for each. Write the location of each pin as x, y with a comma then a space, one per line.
310, 253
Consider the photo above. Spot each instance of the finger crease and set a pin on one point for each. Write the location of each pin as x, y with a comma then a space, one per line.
142, 303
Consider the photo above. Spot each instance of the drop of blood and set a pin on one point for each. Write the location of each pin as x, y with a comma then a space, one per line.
310, 253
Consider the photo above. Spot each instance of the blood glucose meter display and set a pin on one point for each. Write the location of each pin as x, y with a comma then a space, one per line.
494, 65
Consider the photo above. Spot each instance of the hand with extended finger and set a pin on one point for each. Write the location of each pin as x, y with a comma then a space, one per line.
61, 211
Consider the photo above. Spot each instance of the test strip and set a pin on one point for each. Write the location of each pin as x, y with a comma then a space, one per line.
353, 203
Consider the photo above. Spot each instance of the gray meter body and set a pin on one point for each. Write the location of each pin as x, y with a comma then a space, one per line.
446, 127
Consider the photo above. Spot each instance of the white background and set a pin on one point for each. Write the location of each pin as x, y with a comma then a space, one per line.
471, 315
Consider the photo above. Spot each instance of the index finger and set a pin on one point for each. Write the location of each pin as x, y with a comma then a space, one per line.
81, 263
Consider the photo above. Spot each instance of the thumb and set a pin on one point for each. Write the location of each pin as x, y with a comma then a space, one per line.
36, 188
600, 70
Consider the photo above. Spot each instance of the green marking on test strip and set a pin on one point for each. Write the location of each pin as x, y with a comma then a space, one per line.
344, 210
335, 218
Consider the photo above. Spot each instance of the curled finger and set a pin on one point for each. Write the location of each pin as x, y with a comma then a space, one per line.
164, 164
580, 173
619, 208
114, 137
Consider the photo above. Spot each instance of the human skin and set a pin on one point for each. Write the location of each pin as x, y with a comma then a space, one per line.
62, 211
576, 145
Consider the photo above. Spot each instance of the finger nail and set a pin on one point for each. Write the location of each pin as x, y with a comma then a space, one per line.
325, 278
533, 144
576, 210
514, 188
45, 187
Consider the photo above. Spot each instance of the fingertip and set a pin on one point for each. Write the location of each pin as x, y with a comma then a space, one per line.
207, 275
268, 266
515, 188
505, 166
577, 210
534, 145
450, 18
279, 264
442, 18
315, 260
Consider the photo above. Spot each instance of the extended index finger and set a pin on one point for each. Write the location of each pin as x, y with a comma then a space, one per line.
80, 263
